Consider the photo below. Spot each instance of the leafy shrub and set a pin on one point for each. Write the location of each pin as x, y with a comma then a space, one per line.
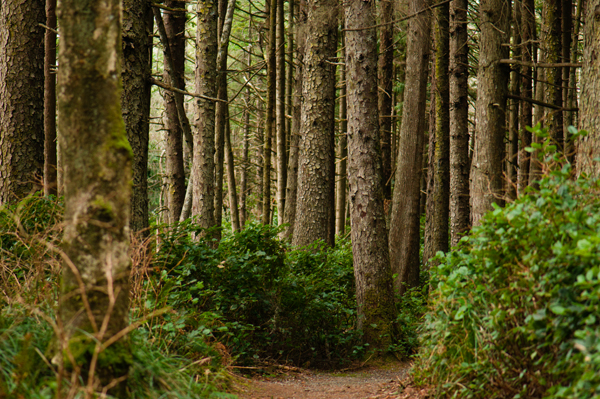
515, 308
256, 299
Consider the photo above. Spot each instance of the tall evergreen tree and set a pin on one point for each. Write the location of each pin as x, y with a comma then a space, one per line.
203, 164
137, 61
315, 166
21, 98
404, 226
492, 80
372, 273
94, 302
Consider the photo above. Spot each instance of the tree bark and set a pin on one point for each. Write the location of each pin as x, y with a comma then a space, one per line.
231, 186
588, 147
269, 117
295, 134
174, 22
50, 155
513, 109
441, 185
280, 111
21, 98
226, 8
551, 43
372, 273
460, 211
385, 75
203, 164
137, 62
94, 302
316, 171
404, 226
340, 218
492, 80
527, 25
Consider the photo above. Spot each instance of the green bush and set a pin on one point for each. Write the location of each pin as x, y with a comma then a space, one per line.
515, 310
257, 299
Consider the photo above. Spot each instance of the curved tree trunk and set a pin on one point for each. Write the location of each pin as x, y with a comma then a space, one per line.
492, 79
315, 166
21, 98
374, 293
404, 226
94, 303
137, 51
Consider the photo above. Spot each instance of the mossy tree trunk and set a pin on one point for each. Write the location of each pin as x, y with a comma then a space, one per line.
137, 62
492, 85
441, 155
21, 98
174, 22
404, 226
374, 292
316, 170
203, 164
97, 161
551, 45
460, 212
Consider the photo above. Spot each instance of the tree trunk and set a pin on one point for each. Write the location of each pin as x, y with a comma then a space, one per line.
50, 155
372, 273
588, 147
460, 211
527, 25
21, 98
404, 226
175, 28
492, 80
316, 172
513, 110
231, 186
203, 164
385, 75
551, 42
94, 303
295, 134
441, 184
226, 9
280, 111
136, 73
269, 117
340, 218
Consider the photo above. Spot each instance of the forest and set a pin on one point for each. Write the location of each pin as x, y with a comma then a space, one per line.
196, 190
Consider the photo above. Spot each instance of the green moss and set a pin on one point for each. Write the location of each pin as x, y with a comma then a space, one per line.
103, 210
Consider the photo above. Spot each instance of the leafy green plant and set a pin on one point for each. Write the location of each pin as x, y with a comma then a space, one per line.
514, 310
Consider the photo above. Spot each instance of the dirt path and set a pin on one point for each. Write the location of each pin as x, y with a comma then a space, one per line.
373, 382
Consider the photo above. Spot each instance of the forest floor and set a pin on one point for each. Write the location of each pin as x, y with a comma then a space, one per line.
378, 381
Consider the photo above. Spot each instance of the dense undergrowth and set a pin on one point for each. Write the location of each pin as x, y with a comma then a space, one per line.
201, 309
514, 310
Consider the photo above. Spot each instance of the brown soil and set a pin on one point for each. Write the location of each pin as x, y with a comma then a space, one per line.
383, 381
